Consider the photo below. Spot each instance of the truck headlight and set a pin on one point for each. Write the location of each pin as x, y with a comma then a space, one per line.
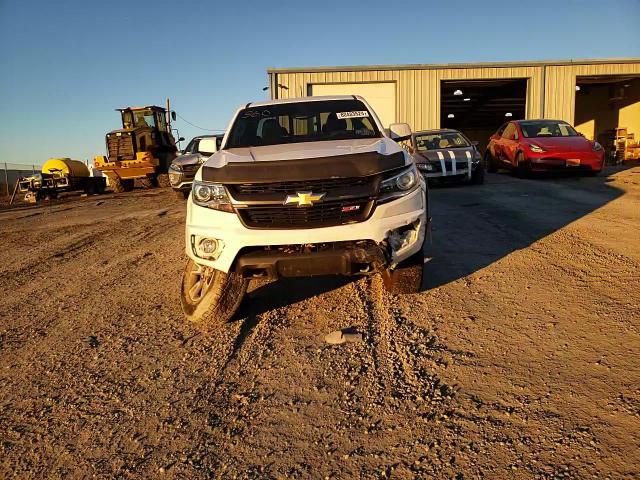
211, 195
402, 182
399, 185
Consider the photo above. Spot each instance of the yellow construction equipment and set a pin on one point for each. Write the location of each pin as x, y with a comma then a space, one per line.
59, 175
142, 149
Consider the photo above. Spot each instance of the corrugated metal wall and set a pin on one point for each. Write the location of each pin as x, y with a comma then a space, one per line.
550, 90
560, 85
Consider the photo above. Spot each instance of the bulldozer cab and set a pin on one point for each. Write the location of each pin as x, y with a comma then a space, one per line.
149, 127
144, 129
143, 117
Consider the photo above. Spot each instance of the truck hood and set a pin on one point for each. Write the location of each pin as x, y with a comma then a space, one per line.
296, 151
304, 161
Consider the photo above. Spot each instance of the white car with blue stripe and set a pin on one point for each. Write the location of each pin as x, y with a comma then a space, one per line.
447, 154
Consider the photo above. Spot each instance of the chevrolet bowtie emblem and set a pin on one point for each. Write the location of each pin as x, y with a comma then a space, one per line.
304, 199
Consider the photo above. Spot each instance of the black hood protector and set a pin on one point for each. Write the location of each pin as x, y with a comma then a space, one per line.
339, 166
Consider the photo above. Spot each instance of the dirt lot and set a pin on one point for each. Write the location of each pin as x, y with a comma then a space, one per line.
520, 360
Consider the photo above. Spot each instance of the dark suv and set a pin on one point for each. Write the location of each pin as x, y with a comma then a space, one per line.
185, 166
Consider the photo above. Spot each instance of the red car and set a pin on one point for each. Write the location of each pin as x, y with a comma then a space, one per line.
541, 146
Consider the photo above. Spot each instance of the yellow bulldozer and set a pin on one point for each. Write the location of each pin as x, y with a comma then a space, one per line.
141, 150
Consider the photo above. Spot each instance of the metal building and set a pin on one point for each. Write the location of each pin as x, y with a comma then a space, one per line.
597, 96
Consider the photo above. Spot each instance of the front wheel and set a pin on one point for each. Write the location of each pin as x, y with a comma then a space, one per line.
407, 276
162, 180
119, 185
208, 295
490, 162
477, 175
523, 168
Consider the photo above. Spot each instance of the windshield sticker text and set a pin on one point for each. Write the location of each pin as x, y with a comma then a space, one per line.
354, 114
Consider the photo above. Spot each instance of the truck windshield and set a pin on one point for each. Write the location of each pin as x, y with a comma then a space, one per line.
312, 121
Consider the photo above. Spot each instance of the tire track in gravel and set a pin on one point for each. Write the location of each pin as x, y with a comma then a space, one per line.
390, 337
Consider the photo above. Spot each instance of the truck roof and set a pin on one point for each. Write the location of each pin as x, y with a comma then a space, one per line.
303, 99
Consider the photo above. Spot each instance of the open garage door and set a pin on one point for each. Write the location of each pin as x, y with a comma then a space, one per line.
479, 107
380, 95
608, 110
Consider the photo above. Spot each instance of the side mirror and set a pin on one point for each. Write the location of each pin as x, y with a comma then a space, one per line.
181, 139
207, 146
173, 115
475, 143
400, 131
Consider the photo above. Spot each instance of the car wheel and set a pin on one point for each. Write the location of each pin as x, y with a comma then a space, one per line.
477, 175
523, 168
490, 162
162, 180
211, 296
407, 276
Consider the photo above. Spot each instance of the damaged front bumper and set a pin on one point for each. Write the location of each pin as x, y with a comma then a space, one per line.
395, 229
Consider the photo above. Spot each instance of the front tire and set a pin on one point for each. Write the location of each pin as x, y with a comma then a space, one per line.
208, 295
490, 162
523, 168
406, 278
477, 175
119, 185
162, 180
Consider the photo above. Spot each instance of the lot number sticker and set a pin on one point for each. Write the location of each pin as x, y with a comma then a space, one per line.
355, 114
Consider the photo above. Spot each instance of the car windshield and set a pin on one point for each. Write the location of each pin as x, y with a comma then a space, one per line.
312, 121
191, 148
436, 141
547, 129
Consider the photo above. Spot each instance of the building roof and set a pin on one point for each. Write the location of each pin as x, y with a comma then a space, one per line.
303, 99
442, 66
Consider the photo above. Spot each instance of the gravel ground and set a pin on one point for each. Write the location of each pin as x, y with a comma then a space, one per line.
520, 360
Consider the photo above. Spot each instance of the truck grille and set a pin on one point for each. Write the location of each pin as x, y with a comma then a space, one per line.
325, 214
120, 147
326, 185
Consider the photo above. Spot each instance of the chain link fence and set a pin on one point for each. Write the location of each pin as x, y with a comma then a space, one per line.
11, 172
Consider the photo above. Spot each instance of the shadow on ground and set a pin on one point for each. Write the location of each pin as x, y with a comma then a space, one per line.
475, 226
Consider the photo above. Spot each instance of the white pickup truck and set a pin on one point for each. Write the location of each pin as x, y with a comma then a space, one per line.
303, 187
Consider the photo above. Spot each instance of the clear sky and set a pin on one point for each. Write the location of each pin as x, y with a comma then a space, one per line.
67, 64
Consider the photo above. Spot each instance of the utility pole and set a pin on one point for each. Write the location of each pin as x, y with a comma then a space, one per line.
168, 115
